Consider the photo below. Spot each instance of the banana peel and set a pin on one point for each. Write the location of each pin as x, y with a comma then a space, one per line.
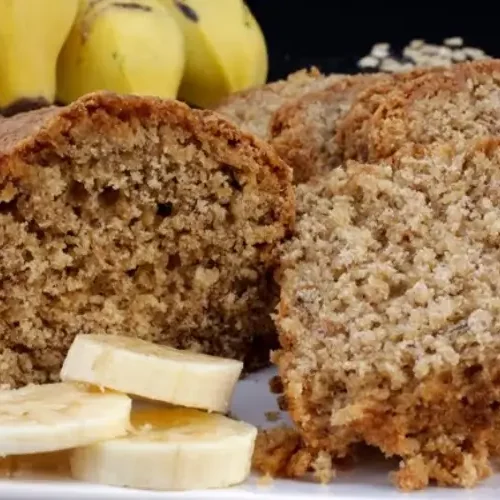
225, 49
129, 47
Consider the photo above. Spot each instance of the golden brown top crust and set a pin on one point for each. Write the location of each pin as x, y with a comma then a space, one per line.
303, 130
444, 104
19, 127
252, 109
300, 77
27, 133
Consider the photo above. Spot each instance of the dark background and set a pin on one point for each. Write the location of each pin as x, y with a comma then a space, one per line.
334, 36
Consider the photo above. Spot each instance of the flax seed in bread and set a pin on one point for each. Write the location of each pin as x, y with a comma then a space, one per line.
303, 130
252, 109
389, 317
455, 104
135, 216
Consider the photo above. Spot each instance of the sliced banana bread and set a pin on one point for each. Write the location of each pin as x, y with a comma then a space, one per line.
389, 317
252, 109
135, 216
454, 104
303, 130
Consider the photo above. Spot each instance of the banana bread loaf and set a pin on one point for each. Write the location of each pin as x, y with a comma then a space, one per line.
303, 130
252, 109
454, 104
389, 317
135, 216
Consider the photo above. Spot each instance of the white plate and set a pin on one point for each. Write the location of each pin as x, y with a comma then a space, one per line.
252, 399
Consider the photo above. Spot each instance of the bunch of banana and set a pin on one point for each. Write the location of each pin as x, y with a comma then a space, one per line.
105, 439
225, 49
147, 46
197, 50
32, 33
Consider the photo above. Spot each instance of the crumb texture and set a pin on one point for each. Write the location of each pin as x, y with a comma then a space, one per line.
252, 109
303, 130
389, 317
281, 452
135, 216
454, 104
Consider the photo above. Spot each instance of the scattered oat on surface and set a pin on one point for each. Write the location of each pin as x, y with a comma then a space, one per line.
474, 53
419, 53
454, 41
380, 50
370, 62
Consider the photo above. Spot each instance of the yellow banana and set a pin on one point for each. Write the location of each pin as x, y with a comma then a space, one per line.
32, 33
260, 49
129, 47
225, 49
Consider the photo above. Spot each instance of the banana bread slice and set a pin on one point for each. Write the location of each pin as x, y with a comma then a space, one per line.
252, 109
303, 130
454, 104
135, 216
389, 317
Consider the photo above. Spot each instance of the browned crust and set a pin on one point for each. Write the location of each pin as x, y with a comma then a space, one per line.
252, 109
303, 76
23, 135
380, 121
303, 131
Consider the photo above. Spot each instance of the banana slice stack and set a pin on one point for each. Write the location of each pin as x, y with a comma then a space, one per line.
178, 439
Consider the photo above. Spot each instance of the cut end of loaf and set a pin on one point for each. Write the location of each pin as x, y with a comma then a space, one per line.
304, 130
389, 312
135, 216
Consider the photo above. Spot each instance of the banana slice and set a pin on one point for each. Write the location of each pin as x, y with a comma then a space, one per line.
152, 371
54, 464
53, 417
171, 449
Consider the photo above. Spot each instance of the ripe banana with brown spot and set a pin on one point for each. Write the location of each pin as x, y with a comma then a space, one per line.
32, 33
